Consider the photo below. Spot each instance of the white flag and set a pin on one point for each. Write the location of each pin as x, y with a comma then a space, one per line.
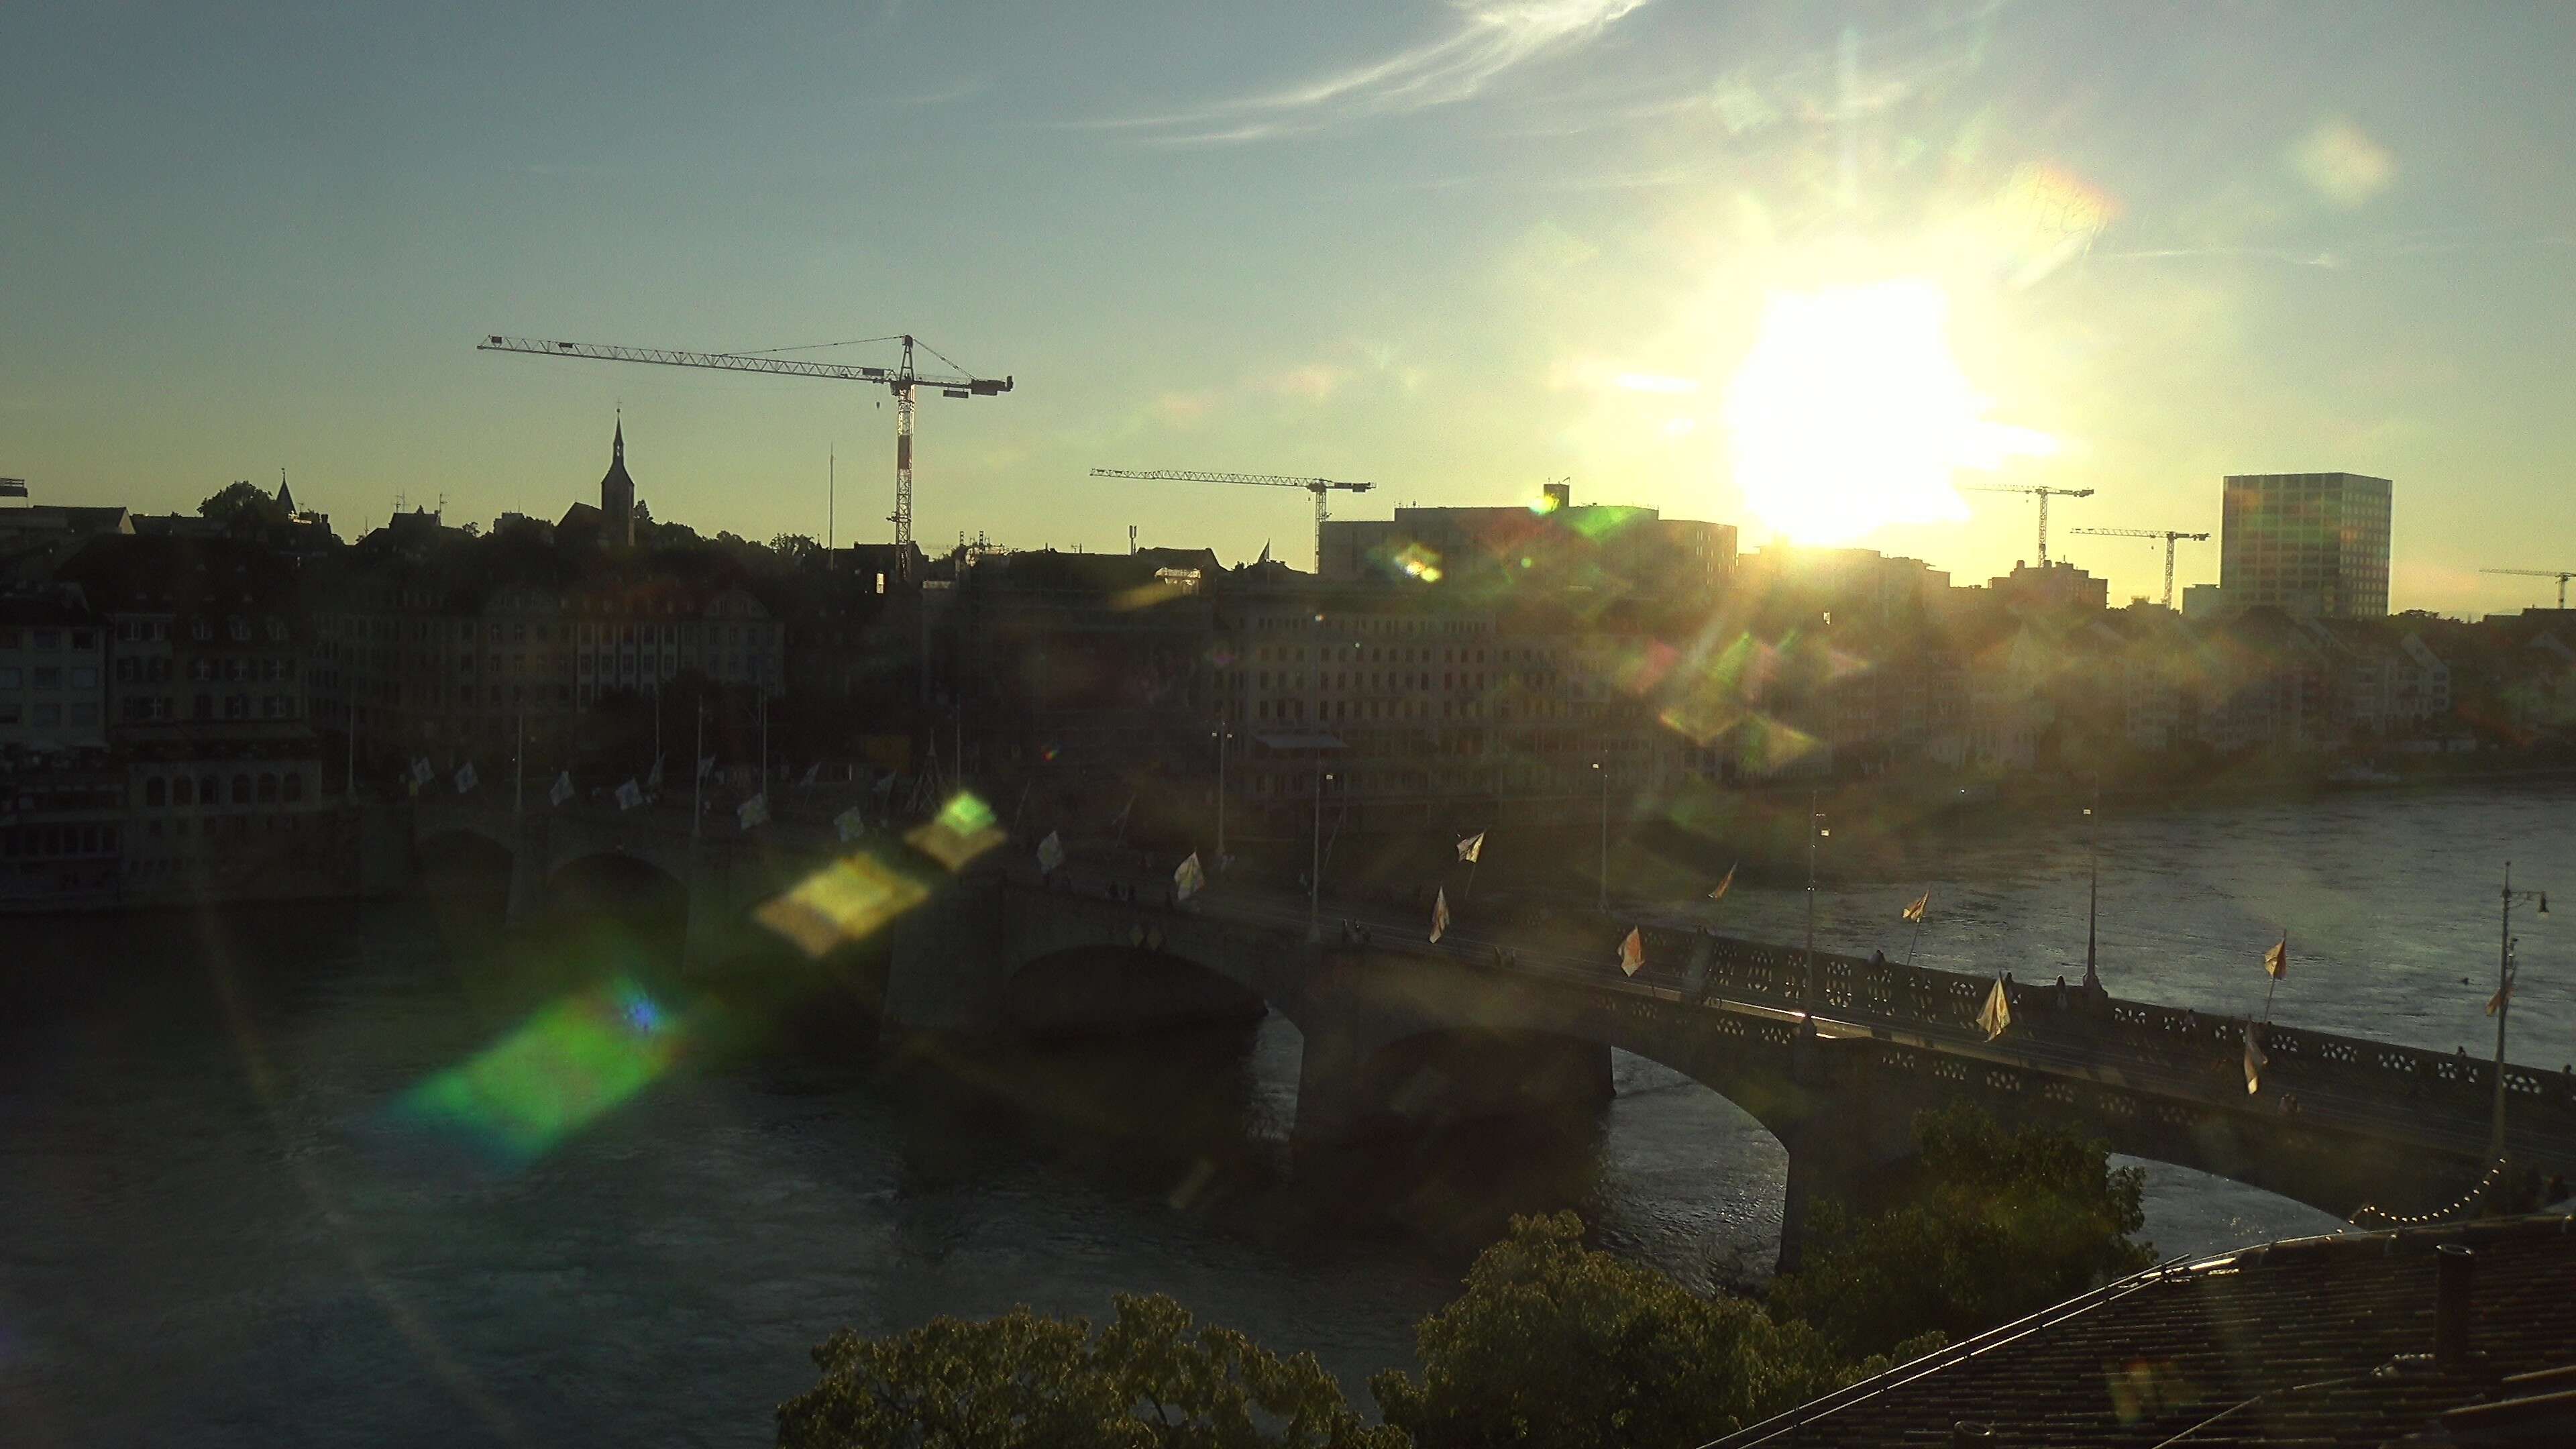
706, 767
2276, 962
1050, 854
851, 824
1998, 1012
1725, 885
812, 771
1632, 952
563, 788
884, 784
465, 778
2504, 993
2255, 1062
1189, 879
1121, 817
754, 811
628, 796
421, 773
1471, 847
1439, 917
653, 781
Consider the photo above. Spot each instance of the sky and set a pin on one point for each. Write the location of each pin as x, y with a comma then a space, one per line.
1686, 255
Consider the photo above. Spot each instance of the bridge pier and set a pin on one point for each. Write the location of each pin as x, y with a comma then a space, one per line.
1846, 1144
527, 869
1373, 1065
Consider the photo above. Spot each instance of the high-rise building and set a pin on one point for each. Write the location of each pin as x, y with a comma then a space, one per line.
2310, 544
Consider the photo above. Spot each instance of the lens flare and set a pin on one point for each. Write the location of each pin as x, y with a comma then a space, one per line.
849, 900
963, 829
556, 1073
1851, 413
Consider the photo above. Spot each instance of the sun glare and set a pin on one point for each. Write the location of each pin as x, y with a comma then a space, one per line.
1851, 413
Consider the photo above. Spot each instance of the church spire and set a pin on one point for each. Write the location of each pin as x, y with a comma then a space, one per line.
617, 445
285, 499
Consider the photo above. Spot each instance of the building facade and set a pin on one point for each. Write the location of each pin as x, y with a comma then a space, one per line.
2314, 545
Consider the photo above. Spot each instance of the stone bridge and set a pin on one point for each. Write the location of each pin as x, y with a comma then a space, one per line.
1398, 1031
1515, 1012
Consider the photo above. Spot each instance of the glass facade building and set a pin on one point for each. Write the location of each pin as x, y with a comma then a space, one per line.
2311, 544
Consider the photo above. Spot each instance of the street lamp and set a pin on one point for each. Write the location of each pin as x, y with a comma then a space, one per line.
2093, 892
1223, 733
1315, 876
1815, 831
1601, 900
2504, 993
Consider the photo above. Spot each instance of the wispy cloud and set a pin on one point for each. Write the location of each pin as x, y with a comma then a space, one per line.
1488, 39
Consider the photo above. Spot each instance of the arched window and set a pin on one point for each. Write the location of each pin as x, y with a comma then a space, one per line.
156, 793
210, 791
241, 789
294, 789
183, 791
267, 789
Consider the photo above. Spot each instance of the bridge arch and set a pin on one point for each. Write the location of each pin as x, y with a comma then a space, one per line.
1114, 988
621, 885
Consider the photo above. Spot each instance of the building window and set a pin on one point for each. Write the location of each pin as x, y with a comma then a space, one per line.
241, 789
210, 791
49, 677
182, 791
267, 789
156, 793
49, 714
294, 789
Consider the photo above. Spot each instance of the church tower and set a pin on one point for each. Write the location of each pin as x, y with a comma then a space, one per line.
617, 492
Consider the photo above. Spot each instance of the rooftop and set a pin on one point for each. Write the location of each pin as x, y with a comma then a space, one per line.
2316, 1341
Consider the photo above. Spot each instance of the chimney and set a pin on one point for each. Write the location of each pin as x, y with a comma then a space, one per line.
2455, 1273
1559, 495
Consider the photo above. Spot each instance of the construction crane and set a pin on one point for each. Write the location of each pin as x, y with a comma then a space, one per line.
2562, 578
900, 380
2043, 495
1320, 487
2169, 535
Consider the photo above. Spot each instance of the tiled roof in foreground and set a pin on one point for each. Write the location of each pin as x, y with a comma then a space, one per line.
2316, 1341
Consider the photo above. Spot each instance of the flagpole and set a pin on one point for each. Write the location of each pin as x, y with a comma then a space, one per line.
1810, 992
1602, 901
1222, 734
519, 784
2504, 994
1315, 875
698, 773
1911, 940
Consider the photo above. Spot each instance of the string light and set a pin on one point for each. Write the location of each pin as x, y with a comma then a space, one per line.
2494, 1171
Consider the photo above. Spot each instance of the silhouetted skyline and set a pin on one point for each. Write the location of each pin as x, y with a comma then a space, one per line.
1457, 250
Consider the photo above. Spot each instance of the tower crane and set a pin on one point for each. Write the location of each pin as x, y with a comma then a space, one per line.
2042, 494
2169, 535
2562, 578
900, 380
1320, 487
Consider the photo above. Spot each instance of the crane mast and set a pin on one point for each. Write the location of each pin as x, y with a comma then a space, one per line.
2171, 536
901, 380
2043, 495
1322, 488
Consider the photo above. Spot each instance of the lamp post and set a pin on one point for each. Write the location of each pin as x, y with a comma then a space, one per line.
1815, 831
1315, 875
1601, 900
1223, 733
2093, 892
2504, 993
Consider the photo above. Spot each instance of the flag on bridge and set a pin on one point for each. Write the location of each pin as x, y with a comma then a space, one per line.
754, 811
628, 796
1439, 917
562, 790
1725, 885
851, 824
1998, 1013
2276, 962
706, 766
1472, 847
1632, 952
1921, 904
2255, 1062
2504, 992
465, 778
1189, 879
1051, 854
813, 772
653, 781
421, 772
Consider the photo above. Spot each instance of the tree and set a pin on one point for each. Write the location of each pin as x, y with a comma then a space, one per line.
797, 551
244, 510
1557, 1345
1146, 1382
2000, 1224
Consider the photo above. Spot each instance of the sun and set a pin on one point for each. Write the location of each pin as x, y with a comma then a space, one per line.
1851, 412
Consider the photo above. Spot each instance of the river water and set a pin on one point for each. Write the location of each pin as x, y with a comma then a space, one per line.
222, 1228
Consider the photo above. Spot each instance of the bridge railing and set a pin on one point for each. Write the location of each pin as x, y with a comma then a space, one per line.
1901, 994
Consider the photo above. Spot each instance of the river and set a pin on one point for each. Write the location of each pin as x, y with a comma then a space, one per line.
221, 1229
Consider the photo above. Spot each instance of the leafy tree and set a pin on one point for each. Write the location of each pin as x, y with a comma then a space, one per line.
244, 510
1556, 1345
797, 551
1146, 1382
2000, 1224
